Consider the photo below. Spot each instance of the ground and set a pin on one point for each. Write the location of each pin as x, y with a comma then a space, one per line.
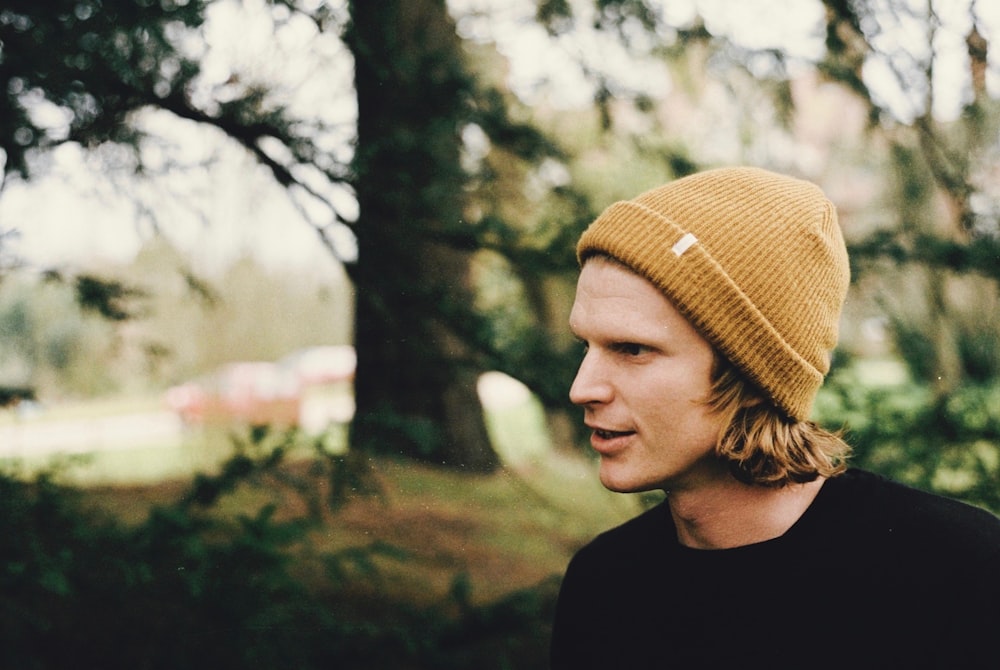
500, 533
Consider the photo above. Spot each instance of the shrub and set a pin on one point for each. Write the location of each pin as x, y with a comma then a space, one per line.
949, 444
188, 588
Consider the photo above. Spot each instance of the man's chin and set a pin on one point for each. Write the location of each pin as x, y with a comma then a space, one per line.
623, 483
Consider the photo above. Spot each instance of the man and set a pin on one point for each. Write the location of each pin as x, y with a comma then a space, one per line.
708, 309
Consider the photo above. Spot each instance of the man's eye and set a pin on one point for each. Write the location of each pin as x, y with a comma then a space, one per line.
630, 348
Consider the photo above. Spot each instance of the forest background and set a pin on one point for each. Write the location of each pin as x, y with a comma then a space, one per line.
442, 158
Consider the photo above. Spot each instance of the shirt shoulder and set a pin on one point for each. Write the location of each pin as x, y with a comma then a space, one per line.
877, 509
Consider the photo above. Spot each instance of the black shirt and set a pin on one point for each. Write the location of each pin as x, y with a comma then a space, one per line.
873, 575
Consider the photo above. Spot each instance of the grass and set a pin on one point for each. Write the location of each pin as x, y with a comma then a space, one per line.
150, 462
85, 409
496, 534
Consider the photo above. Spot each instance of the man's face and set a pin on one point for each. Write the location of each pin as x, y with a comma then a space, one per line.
642, 383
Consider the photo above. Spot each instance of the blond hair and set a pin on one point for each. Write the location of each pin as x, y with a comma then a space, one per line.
762, 444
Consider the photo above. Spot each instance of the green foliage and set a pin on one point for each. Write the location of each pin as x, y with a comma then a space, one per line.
388, 432
977, 256
950, 445
190, 587
931, 256
107, 297
95, 61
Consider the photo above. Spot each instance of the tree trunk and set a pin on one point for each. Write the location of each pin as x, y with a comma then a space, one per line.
416, 379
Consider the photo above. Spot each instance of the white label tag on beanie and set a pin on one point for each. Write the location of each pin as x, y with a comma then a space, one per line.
685, 243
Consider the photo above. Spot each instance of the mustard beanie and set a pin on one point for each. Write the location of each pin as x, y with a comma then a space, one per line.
753, 259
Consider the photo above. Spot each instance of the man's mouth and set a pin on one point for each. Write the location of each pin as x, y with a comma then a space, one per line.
611, 434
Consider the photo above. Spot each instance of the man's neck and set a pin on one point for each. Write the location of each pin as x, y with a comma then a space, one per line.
728, 513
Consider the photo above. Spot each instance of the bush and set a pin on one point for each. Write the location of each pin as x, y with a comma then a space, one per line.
949, 445
186, 588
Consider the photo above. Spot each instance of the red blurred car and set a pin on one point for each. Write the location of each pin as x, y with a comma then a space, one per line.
251, 392
261, 392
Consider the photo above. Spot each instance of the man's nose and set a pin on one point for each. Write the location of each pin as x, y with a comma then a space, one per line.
591, 384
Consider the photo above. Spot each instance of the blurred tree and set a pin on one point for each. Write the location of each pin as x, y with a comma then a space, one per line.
421, 345
415, 389
936, 253
941, 188
74, 70
456, 184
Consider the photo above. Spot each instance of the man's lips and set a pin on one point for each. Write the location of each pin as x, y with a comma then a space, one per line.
605, 441
605, 434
